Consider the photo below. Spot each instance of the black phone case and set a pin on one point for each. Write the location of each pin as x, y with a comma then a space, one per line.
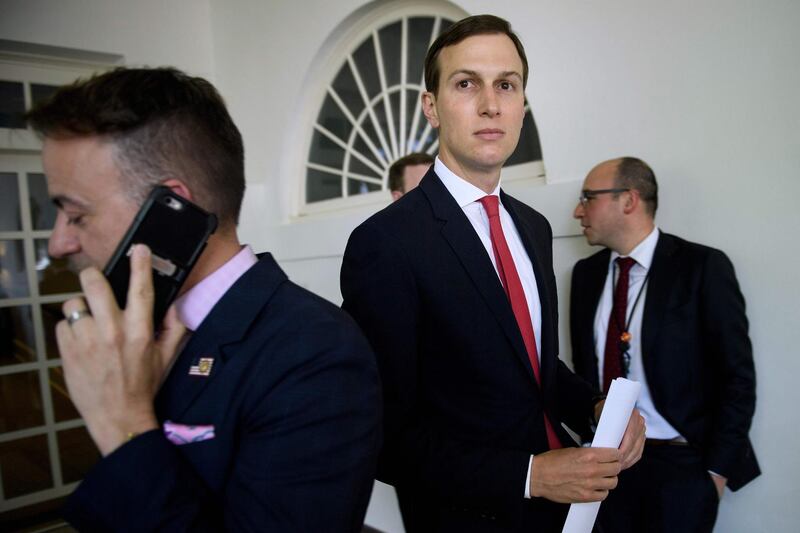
176, 231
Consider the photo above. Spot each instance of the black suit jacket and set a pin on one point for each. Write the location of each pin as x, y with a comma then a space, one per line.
696, 351
463, 411
294, 399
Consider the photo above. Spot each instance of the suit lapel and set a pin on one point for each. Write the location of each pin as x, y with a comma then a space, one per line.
226, 325
467, 246
658, 286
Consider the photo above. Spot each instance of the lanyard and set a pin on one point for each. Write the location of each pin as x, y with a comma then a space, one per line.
625, 336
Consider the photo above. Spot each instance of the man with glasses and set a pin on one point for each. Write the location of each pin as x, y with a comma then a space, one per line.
667, 313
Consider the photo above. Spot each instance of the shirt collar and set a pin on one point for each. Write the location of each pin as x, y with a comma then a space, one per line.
644, 251
195, 304
463, 191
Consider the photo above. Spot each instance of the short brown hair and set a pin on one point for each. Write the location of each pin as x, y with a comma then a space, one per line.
464, 28
163, 124
399, 166
633, 173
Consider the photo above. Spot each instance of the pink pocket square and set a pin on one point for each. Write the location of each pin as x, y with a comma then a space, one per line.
181, 434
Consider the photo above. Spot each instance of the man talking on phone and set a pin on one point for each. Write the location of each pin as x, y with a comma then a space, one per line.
257, 406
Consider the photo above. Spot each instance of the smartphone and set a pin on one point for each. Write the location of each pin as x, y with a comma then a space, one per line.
176, 230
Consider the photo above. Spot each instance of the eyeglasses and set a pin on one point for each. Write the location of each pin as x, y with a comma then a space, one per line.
591, 194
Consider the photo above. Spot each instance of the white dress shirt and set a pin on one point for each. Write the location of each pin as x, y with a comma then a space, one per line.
468, 198
657, 426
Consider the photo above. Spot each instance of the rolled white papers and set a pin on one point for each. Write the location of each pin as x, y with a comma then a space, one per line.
621, 399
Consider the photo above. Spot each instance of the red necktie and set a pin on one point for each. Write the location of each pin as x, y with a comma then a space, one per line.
612, 358
516, 295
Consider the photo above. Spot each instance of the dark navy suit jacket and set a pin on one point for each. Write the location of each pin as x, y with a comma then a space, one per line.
695, 349
463, 411
295, 402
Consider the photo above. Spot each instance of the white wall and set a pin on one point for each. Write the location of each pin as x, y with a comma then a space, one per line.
703, 91
145, 32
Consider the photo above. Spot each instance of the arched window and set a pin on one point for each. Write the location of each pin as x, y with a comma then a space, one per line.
371, 113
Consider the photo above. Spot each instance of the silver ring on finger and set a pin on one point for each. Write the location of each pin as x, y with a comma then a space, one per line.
77, 315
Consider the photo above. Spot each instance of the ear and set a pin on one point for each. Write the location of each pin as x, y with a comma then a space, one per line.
632, 201
179, 188
429, 108
396, 195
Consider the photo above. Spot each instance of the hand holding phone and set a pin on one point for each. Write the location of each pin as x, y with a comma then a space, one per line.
176, 231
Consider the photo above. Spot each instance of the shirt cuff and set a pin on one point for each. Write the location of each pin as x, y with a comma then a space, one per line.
528, 480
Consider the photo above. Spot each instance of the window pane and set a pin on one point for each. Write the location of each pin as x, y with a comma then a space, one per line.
347, 89
357, 167
43, 212
528, 149
17, 343
383, 124
322, 186
394, 101
355, 187
54, 275
361, 147
389, 37
20, 401
333, 119
367, 65
51, 315
9, 202
419, 38
40, 92
325, 152
13, 278
12, 104
411, 105
25, 465
77, 452
63, 408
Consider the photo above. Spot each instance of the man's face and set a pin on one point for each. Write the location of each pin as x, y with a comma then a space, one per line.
602, 215
480, 104
93, 211
412, 175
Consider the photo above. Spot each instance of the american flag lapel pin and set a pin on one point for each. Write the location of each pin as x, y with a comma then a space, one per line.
202, 368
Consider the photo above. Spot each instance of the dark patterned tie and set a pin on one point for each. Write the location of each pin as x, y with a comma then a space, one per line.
612, 359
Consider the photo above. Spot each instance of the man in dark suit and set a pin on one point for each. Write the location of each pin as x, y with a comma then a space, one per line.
453, 285
266, 416
667, 313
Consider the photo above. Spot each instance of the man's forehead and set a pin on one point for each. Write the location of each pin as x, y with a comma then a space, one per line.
79, 170
493, 53
603, 174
